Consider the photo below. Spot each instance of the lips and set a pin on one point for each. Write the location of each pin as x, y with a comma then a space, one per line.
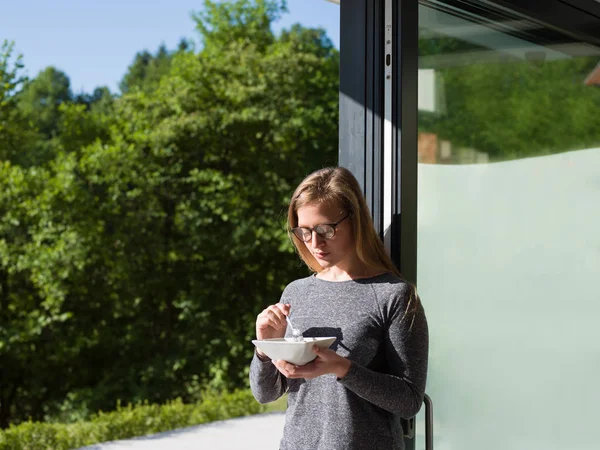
320, 255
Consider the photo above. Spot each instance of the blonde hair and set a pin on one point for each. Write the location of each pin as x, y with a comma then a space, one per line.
337, 185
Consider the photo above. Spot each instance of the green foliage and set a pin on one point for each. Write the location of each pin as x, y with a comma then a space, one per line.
242, 21
129, 421
86, 120
135, 260
41, 255
41, 98
147, 69
17, 137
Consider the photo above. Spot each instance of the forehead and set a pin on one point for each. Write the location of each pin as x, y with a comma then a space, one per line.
313, 214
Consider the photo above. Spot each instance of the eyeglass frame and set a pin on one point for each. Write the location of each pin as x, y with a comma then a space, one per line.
313, 229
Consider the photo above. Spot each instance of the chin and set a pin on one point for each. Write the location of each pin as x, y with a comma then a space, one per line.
325, 264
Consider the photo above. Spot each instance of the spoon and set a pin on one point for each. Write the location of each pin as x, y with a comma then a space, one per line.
297, 334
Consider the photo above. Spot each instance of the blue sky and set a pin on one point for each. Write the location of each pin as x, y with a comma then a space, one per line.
94, 41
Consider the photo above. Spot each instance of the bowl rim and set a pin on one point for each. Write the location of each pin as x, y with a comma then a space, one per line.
284, 340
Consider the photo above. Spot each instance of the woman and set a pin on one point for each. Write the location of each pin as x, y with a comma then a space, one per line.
352, 395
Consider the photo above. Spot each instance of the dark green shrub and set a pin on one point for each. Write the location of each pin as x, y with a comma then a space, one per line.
129, 421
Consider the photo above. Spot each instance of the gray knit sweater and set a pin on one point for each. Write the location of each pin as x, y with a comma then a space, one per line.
386, 380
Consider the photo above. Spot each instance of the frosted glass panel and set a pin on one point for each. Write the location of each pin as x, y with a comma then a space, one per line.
509, 239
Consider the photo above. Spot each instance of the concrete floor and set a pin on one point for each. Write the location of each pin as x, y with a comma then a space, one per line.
262, 431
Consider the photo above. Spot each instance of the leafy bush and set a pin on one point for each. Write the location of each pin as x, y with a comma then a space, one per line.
129, 421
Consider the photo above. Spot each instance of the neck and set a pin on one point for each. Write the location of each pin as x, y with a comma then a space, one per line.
347, 272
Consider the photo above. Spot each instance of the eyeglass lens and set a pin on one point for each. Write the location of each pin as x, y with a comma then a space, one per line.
305, 234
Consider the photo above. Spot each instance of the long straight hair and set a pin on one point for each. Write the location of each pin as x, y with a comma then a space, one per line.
337, 185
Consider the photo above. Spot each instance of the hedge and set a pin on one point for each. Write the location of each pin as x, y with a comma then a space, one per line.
129, 421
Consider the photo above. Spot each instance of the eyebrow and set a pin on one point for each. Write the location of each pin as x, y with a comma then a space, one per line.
317, 224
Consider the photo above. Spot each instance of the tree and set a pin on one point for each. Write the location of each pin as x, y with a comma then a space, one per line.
41, 254
17, 138
41, 98
147, 69
240, 21
86, 120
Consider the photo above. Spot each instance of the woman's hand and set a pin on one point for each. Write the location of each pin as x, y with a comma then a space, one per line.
327, 361
271, 323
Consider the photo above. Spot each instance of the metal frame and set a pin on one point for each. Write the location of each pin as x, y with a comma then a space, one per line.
361, 98
405, 156
577, 18
363, 112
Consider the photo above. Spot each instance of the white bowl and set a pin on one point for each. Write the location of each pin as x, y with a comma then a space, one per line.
298, 353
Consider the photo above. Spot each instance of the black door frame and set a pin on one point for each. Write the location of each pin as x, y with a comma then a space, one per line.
362, 60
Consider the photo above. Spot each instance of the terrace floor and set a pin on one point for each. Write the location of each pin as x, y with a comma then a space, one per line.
261, 431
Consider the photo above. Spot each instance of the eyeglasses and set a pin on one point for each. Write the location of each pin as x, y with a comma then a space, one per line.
325, 230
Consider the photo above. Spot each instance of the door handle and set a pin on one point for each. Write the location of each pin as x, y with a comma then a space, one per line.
409, 425
428, 422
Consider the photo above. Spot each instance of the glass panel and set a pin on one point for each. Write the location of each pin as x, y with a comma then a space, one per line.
508, 234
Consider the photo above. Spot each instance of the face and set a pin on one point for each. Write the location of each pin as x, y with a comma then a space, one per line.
328, 252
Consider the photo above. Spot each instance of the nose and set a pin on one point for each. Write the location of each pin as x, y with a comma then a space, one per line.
316, 240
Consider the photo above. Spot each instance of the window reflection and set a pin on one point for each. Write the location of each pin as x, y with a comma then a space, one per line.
486, 95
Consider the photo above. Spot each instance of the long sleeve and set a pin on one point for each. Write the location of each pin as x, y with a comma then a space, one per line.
388, 350
406, 351
266, 382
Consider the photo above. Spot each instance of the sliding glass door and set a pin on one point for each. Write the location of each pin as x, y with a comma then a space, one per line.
509, 229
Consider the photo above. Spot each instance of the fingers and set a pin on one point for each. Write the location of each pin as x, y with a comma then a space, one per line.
274, 316
276, 312
327, 361
267, 315
324, 353
284, 308
290, 370
271, 322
